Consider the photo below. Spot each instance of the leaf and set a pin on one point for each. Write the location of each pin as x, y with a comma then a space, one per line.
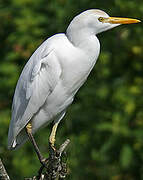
126, 156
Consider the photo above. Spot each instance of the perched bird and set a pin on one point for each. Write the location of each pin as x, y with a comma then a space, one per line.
54, 74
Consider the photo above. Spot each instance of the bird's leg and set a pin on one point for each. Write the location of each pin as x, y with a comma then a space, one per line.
29, 132
53, 134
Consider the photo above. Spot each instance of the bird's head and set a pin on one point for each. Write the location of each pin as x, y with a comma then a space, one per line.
96, 21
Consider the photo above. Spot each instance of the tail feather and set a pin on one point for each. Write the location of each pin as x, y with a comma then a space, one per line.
20, 139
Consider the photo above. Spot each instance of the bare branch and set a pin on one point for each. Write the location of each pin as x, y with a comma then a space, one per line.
3, 173
63, 146
55, 167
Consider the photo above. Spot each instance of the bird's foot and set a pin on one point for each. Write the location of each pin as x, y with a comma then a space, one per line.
44, 162
55, 165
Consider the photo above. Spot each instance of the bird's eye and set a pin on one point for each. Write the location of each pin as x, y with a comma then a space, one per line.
101, 19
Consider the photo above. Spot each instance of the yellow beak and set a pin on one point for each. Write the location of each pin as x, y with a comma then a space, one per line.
118, 20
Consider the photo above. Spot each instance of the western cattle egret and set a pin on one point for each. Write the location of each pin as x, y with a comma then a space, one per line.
54, 74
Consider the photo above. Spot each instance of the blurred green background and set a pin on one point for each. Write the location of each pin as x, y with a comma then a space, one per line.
105, 122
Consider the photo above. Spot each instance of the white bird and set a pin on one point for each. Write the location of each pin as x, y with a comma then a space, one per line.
54, 74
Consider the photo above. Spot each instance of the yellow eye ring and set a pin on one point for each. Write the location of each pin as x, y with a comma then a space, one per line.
101, 19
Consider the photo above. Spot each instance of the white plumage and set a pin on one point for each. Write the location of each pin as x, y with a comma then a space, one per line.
54, 73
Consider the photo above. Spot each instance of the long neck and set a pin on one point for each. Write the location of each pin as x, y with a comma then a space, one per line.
77, 34
84, 39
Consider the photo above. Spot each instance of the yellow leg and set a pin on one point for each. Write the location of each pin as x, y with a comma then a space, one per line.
53, 134
29, 128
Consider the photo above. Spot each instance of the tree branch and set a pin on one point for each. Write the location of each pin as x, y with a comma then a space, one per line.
3, 173
55, 168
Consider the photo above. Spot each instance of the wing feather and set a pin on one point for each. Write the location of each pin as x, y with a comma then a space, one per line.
38, 79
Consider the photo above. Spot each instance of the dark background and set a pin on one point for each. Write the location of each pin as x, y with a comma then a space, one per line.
105, 122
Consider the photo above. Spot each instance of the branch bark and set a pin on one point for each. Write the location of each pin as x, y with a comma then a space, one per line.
55, 168
3, 173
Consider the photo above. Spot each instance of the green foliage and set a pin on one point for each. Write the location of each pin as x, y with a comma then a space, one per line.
105, 122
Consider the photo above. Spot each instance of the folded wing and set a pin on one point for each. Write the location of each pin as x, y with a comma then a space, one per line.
37, 81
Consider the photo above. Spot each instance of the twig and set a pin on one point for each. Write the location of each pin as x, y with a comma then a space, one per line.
63, 146
55, 167
3, 173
